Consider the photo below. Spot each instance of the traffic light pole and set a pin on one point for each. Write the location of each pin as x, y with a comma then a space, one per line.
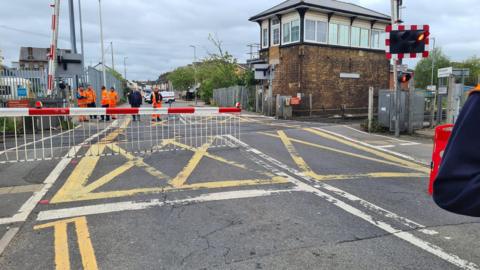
395, 9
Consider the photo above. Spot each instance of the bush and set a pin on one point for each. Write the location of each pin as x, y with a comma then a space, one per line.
376, 127
8, 125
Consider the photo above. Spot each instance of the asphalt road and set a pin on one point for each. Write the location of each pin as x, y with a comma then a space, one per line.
284, 195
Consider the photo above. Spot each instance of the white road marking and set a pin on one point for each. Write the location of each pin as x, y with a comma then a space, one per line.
409, 144
132, 205
30, 204
386, 146
406, 236
367, 144
7, 238
377, 135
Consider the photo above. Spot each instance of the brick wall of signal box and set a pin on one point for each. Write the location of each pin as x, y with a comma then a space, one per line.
316, 69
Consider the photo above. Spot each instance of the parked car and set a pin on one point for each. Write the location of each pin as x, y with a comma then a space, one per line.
168, 97
147, 96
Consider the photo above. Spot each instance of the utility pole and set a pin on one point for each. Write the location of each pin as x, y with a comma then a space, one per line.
102, 45
81, 34
125, 67
395, 19
195, 70
113, 60
434, 104
73, 37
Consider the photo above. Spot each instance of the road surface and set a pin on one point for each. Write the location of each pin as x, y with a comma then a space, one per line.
285, 195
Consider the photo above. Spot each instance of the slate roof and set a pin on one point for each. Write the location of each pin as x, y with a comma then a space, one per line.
333, 5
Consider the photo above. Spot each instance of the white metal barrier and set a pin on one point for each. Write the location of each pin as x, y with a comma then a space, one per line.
45, 134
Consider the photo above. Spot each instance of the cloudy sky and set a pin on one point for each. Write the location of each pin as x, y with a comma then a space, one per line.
155, 35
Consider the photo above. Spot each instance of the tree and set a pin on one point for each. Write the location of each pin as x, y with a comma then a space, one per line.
473, 64
423, 70
182, 78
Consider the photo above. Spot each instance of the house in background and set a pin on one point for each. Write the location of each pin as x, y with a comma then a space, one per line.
36, 58
333, 50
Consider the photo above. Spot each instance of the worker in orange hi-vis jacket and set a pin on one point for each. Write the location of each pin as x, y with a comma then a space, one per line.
82, 101
157, 104
113, 99
105, 102
91, 99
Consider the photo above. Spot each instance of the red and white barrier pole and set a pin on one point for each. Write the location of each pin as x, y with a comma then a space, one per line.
52, 61
201, 111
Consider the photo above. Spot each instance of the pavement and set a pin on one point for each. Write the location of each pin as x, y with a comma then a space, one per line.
284, 195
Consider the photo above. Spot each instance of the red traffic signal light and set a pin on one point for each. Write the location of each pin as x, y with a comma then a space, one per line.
407, 41
404, 78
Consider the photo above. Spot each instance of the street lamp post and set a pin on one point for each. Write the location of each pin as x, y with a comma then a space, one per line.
125, 67
102, 45
195, 70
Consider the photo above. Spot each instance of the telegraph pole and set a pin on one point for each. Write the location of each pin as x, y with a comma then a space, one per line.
102, 45
125, 67
395, 19
195, 69
113, 60
82, 49
73, 37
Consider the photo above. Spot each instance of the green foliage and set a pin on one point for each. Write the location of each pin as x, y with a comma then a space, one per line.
218, 70
116, 74
423, 70
182, 78
376, 127
8, 125
472, 63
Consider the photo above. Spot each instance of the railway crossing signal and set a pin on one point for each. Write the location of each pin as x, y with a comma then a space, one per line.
407, 41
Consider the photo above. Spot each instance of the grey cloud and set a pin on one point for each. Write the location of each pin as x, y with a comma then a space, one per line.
155, 35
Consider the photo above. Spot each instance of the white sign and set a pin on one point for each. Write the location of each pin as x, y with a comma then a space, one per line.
445, 72
402, 68
432, 88
261, 71
443, 90
350, 75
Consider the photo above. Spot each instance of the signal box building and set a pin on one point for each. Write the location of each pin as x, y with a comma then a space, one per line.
333, 50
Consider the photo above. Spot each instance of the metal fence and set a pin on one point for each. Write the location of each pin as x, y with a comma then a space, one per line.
22, 84
32, 84
48, 134
227, 97
94, 77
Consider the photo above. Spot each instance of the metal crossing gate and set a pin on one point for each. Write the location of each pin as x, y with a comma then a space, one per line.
55, 133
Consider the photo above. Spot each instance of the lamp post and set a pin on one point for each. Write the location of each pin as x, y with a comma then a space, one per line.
125, 67
102, 45
195, 69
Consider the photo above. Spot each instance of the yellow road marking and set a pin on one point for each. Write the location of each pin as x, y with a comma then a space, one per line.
76, 188
20, 189
368, 175
186, 187
411, 165
293, 152
306, 169
338, 151
182, 177
62, 253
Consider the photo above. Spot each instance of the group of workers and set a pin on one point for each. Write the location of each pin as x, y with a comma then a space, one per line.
88, 99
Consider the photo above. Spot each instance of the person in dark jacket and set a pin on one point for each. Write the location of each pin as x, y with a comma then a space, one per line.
135, 100
457, 187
